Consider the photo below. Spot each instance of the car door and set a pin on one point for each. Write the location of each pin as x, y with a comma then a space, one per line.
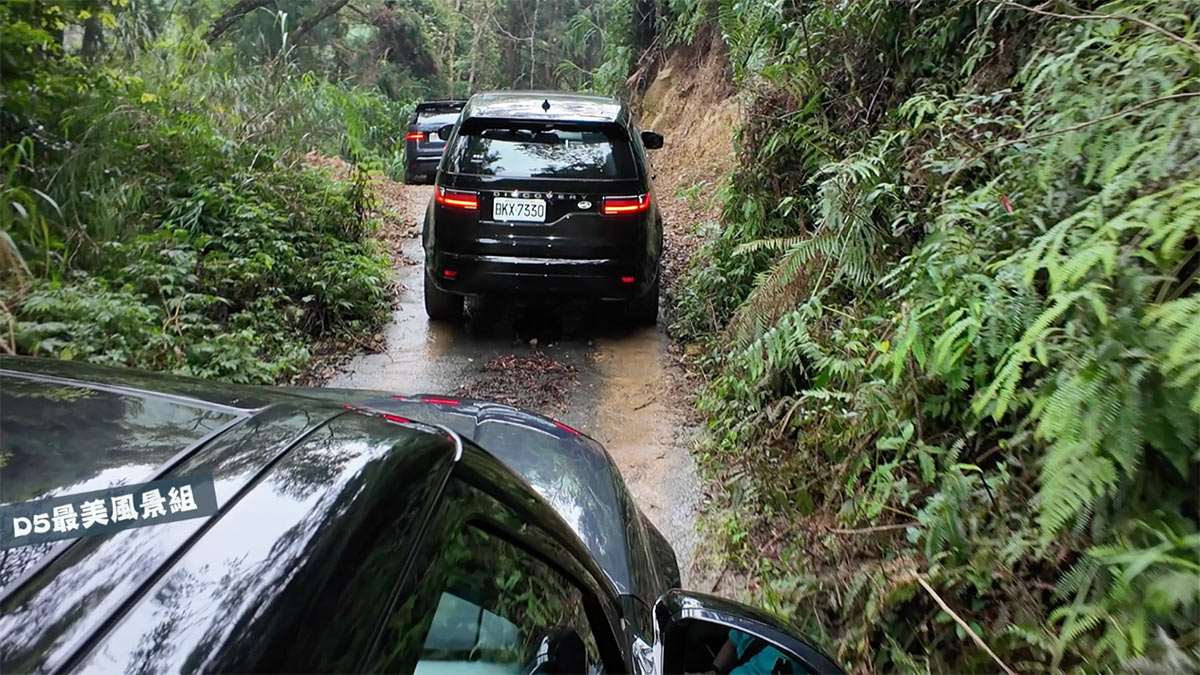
498, 585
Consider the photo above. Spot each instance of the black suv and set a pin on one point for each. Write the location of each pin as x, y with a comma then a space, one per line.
422, 146
352, 531
543, 193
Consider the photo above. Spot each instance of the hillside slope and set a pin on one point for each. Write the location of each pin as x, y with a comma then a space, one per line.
953, 387
690, 101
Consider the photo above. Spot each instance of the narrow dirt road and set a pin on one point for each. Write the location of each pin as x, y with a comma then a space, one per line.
576, 362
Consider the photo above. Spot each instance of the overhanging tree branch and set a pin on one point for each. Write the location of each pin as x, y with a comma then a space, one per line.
1062, 130
231, 16
1075, 127
359, 12
312, 21
1103, 17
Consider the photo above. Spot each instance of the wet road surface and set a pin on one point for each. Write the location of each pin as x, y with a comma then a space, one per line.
622, 391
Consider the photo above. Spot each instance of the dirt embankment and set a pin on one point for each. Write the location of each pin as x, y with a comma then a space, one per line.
688, 97
689, 100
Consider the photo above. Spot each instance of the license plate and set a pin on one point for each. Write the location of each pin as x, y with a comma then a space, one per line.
524, 210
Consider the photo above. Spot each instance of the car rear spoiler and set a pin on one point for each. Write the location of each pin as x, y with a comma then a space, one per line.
426, 106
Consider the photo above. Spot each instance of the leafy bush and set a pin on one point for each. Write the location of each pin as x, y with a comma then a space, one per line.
956, 301
157, 211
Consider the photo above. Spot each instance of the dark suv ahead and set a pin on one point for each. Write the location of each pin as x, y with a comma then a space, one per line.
543, 193
422, 147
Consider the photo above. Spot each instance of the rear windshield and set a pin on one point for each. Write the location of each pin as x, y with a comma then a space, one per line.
438, 117
543, 151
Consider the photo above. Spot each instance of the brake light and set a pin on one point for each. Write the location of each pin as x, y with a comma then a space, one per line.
627, 280
618, 205
461, 200
415, 136
440, 401
396, 418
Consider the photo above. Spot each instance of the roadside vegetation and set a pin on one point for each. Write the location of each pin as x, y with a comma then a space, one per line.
157, 212
954, 329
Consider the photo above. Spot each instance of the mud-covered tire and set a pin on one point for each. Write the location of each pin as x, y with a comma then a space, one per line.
440, 305
643, 310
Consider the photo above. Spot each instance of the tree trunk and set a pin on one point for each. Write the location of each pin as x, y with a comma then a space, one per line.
93, 37
475, 31
533, 45
453, 47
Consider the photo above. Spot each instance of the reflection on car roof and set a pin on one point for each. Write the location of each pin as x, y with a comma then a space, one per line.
531, 105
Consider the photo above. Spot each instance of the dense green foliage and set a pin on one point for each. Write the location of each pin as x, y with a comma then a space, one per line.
157, 213
452, 48
957, 327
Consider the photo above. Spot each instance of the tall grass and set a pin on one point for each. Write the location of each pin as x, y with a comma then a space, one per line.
157, 211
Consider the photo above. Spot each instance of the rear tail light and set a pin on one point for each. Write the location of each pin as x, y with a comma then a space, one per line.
618, 205
415, 136
456, 199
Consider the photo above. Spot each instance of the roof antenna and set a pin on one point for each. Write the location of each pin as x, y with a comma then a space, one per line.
546, 105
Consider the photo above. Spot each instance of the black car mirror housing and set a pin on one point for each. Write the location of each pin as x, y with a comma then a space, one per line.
652, 140
445, 131
692, 627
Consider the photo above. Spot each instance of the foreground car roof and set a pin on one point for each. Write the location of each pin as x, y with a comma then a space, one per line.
288, 474
284, 464
71, 427
529, 105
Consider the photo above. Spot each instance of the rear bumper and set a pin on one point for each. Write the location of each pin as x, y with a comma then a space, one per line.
605, 279
426, 164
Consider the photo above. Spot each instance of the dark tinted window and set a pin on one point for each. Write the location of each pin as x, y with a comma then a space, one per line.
542, 151
438, 117
496, 608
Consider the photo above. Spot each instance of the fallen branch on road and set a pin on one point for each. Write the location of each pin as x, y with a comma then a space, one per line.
877, 528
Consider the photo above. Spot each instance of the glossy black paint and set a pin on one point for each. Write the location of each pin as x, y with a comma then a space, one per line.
309, 484
652, 140
571, 471
334, 507
577, 251
676, 609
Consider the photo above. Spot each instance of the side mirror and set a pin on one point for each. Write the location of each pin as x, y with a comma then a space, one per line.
696, 633
444, 132
560, 652
652, 140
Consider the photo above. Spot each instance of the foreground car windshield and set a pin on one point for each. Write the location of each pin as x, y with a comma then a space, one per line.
533, 151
